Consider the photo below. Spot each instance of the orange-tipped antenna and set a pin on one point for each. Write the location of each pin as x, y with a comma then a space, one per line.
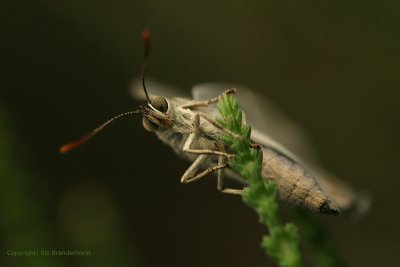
146, 42
72, 145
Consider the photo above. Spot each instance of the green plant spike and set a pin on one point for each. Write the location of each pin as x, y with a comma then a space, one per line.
283, 242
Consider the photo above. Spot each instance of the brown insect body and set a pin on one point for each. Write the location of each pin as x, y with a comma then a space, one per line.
296, 184
176, 134
189, 127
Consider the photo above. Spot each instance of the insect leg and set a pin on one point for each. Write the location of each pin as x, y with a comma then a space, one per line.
216, 125
221, 177
192, 136
190, 176
190, 172
244, 118
226, 131
205, 103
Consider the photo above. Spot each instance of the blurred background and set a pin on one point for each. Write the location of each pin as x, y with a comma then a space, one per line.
67, 66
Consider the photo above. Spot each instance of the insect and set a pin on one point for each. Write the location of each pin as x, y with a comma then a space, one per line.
189, 127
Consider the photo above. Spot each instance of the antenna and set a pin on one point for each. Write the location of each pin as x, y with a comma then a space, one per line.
146, 41
72, 145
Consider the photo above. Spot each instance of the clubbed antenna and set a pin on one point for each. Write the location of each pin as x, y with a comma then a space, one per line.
72, 145
146, 41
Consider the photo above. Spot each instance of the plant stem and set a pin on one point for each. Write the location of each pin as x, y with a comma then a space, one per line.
283, 242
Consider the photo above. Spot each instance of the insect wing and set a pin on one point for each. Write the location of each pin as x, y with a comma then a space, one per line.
273, 129
269, 126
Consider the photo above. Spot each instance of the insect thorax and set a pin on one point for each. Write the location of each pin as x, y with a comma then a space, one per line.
207, 136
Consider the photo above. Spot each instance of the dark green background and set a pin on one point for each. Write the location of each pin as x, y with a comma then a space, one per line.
67, 65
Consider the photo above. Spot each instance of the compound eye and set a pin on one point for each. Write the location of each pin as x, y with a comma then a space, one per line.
160, 103
149, 125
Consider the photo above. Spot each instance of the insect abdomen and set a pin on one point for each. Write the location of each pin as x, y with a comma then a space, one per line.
296, 185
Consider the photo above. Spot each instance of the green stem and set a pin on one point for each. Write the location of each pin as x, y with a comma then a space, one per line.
283, 242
